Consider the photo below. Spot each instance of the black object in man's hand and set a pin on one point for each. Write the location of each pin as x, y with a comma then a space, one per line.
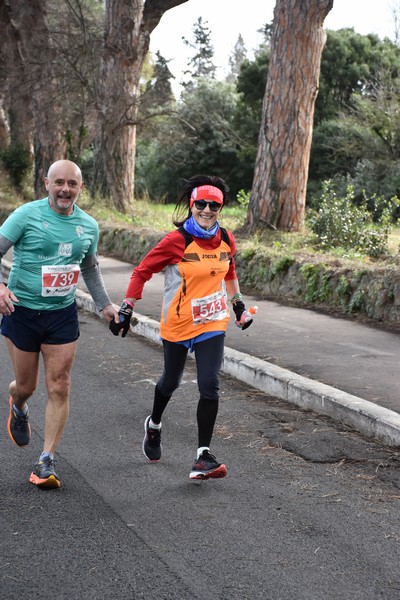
124, 314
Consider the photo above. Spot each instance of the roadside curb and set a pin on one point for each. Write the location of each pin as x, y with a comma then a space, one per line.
366, 417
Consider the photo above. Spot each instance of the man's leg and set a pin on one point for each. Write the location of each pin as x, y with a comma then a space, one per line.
58, 362
26, 371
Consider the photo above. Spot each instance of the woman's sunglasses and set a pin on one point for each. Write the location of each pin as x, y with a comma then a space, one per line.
201, 204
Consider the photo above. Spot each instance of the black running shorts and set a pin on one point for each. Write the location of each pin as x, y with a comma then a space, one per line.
28, 329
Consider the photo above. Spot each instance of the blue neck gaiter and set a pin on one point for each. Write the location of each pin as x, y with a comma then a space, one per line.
192, 227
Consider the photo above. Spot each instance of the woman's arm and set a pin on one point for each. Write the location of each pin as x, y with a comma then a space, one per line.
168, 251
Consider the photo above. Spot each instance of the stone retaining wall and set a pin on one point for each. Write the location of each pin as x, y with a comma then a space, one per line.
374, 292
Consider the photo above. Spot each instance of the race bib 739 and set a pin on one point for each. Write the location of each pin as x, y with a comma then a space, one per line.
59, 280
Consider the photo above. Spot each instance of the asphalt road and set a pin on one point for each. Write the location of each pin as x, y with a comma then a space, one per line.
309, 509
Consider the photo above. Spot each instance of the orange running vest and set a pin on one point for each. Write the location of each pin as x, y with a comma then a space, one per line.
195, 299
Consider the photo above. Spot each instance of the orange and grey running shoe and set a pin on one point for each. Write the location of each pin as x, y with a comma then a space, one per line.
207, 467
44, 475
18, 426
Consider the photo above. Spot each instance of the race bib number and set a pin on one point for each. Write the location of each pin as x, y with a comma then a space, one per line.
59, 280
209, 308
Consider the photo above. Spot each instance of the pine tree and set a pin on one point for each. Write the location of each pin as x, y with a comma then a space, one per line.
236, 59
201, 64
158, 91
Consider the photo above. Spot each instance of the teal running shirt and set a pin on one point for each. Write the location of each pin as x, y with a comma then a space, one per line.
48, 249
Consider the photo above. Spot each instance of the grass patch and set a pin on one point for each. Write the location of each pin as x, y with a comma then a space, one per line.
151, 215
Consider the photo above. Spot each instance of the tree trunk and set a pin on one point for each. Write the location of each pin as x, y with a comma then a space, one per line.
17, 118
28, 29
281, 171
126, 42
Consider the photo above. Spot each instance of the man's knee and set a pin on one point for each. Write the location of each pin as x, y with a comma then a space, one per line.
59, 386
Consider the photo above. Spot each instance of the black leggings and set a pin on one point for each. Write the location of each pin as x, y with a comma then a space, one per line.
209, 355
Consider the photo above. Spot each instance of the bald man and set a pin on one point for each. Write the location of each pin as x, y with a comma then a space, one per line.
53, 241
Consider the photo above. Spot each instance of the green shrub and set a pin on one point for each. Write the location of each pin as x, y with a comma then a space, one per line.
357, 302
311, 275
243, 198
282, 265
343, 291
340, 223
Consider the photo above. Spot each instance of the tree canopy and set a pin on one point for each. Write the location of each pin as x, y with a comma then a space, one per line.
78, 83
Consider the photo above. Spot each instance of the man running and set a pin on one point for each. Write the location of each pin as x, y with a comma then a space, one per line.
53, 241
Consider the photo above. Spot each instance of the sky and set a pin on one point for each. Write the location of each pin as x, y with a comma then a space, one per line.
227, 19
